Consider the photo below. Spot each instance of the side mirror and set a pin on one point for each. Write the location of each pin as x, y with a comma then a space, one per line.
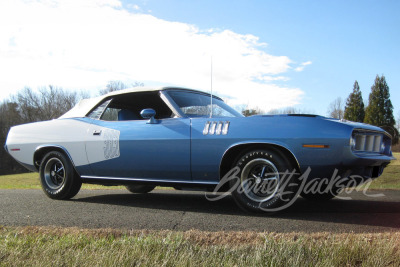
149, 113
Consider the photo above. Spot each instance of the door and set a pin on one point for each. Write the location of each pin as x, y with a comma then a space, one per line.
139, 150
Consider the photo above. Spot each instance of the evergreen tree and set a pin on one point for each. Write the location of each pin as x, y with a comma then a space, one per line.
354, 110
380, 109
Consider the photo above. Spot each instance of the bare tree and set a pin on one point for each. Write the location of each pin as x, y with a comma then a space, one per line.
336, 109
288, 110
45, 104
256, 111
83, 94
250, 112
118, 85
9, 116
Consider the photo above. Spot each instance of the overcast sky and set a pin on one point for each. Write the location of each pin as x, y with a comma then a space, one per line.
266, 54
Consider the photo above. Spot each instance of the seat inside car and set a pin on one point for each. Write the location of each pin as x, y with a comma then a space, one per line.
127, 115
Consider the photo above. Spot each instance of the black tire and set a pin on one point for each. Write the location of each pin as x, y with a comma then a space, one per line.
141, 189
322, 196
58, 177
266, 181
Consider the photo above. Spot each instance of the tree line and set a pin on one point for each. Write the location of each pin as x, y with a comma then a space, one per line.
378, 112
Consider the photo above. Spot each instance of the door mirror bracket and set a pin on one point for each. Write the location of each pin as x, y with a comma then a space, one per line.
149, 113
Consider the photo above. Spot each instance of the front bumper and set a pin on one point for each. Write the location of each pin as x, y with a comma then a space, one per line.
362, 165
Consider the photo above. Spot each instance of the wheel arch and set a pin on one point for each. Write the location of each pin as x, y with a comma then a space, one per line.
233, 153
42, 150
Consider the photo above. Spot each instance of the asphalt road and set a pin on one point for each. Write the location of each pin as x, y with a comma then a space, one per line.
179, 210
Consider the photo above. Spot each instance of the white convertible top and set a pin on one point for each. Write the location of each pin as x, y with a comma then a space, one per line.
82, 108
85, 105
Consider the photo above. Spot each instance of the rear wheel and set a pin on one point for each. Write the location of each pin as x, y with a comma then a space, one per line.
267, 181
58, 177
142, 189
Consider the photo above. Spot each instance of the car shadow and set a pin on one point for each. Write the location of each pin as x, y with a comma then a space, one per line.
369, 212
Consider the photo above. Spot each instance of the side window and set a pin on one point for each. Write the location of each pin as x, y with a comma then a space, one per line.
127, 107
97, 112
200, 111
199, 105
111, 114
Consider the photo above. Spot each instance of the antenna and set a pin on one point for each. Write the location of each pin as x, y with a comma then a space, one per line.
211, 113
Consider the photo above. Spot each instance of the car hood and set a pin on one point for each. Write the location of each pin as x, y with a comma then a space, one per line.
310, 118
356, 125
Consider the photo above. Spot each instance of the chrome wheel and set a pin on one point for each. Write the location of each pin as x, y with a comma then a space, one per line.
54, 173
260, 180
267, 181
58, 177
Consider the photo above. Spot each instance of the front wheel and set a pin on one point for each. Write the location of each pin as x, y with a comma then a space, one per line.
266, 181
58, 177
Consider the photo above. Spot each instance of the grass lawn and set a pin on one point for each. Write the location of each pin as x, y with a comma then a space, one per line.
54, 246
31, 181
390, 179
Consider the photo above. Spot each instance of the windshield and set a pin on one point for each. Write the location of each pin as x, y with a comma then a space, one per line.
194, 104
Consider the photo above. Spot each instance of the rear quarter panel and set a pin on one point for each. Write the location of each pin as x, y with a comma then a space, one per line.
23, 140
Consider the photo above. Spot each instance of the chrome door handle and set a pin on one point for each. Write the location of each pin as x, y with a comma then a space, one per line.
97, 132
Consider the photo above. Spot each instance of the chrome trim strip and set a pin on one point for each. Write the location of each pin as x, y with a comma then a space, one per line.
219, 128
148, 180
212, 128
56, 146
368, 131
206, 128
225, 128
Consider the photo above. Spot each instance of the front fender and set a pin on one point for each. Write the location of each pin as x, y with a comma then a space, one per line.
231, 154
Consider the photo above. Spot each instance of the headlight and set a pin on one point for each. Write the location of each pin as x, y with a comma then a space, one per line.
383, 147
352, 143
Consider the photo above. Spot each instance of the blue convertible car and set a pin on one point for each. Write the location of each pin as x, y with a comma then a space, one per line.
188, 139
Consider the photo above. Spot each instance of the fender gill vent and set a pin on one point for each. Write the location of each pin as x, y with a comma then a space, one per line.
216, 127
